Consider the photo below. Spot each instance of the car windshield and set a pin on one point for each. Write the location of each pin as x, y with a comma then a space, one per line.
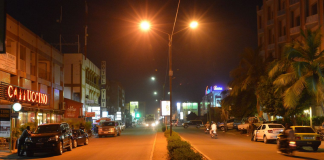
48, 129
108, 124
304, 130
276, 126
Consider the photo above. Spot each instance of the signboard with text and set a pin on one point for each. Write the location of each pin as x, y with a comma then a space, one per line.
90, 114
8, 63
165, 108
103, 72
73, 108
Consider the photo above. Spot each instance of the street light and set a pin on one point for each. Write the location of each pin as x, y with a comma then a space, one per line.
146, 26
153, 78
155, 93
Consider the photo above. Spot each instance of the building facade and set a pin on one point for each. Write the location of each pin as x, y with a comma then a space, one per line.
183, 109
116, 100
212, 98
280, 22
32, 74
82, 83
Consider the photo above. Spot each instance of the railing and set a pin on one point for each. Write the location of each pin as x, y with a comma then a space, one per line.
260, 30
312, 19
295, 30
292, 2
271, 46
93, 84
282, 39
270, 22
281, 12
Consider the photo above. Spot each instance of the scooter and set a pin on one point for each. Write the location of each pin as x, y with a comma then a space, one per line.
185, 126
290, 148
207, 130
213, 134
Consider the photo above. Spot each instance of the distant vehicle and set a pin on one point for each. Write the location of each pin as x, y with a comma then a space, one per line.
231, 124
109, 128
49, 137
268, 132
79, 137
257, 121
150, 120
195, 123
174, 122
305, 136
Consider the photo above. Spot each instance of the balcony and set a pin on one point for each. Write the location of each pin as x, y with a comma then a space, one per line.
293, 2
270, 22
97, 86
312, 19
282, 39
271, 46
295, 30
281, 12
260, 31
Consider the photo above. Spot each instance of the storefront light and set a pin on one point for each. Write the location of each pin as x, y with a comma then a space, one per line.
16, 107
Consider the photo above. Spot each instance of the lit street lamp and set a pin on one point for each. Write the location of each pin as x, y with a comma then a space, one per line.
153, 78
155, 93
146, 26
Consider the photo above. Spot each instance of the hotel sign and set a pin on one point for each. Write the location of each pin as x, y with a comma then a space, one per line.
22, 95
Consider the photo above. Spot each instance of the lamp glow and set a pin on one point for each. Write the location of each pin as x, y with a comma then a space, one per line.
145, 25
193, 24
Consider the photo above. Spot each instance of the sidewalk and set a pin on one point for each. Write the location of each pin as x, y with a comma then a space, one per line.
160, 149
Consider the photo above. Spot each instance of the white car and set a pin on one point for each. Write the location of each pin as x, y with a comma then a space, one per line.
268, 132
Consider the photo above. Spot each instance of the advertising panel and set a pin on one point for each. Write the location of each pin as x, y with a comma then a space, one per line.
103, 72
73, 108
5, 129
165, 108
118, 116
103, 98
90, 114
132, 106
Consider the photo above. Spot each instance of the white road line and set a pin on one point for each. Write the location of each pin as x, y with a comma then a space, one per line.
153, 146
197, 149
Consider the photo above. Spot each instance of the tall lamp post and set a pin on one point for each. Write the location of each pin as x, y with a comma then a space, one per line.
146, 26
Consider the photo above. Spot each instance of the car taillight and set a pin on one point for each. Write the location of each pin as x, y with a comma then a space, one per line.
292, 143
298, 138
270, 131
318, 138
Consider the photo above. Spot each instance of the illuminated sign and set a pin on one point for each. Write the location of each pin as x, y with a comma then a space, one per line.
26, 95
165, 108
213, 88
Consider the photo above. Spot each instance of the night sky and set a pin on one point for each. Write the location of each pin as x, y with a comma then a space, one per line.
201, 57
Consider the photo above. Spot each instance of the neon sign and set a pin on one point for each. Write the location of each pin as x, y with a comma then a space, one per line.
26, 95
213, 88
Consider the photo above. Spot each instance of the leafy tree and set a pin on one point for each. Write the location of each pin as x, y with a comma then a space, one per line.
300, 72
192, 116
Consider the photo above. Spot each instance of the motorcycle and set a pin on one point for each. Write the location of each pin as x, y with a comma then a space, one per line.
213, 134
185, 126
290, 148
206, 130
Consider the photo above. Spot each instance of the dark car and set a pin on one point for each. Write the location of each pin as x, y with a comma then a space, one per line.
49, 138
79, 137
195, 123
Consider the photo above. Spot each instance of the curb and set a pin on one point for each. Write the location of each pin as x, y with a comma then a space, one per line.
196, 150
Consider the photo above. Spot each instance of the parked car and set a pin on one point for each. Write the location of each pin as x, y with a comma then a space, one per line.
231, 124
109, 128
79, 137
305, 136
195, 123
257, 121
49, 137
268, 132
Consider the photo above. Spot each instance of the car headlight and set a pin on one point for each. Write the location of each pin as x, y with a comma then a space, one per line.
28, 139
55, 138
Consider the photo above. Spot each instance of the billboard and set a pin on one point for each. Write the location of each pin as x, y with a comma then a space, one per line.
133, 106
3, 29
73, 108
165, 108
118, 116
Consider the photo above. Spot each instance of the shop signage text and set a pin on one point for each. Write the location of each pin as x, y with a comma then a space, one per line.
4, 114
26, 95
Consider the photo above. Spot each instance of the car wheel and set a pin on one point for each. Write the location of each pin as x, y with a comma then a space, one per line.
86, 141
70, 146
115, 135
315, 148
75, 143
59, 149
222, 128
119, 133
255, 138
265, 140
30, 153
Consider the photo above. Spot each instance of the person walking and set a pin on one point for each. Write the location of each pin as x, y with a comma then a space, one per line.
21, 141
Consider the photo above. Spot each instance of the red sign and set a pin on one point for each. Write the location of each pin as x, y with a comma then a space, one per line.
73, 108
90, 114
26, 95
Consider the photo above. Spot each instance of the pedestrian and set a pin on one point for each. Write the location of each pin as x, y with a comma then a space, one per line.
253, 127
81, 126
26, 133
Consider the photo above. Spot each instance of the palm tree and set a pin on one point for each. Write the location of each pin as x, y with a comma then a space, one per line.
300, 71
247, 75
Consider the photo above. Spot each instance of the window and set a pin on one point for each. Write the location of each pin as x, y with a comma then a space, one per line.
314, 9
264, 127
276, 126
304, 130
298, 21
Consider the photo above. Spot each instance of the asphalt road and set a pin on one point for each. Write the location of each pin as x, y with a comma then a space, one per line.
134, 143
234, 145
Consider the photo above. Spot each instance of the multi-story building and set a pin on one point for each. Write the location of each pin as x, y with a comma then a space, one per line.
31, 73
212, 98
183, 109
81, 82
116, 100
280, 22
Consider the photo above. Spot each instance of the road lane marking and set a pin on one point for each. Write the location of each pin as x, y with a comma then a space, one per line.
196, 149
153, 146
